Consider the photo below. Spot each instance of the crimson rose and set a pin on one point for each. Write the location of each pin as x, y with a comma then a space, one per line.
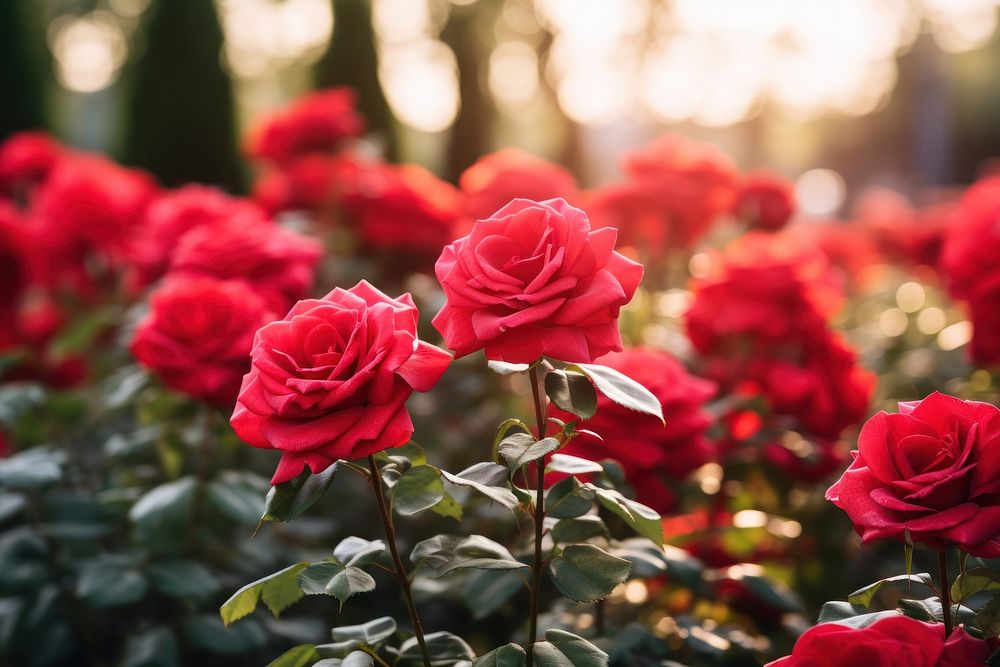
896, 641
330, 381
497, 178
535, 280
198, 333
318, 122
929, 474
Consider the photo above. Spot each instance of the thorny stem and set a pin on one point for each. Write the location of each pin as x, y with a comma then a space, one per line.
945, 591
400, 574
537, 564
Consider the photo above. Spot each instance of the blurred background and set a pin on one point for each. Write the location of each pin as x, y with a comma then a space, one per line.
893, 92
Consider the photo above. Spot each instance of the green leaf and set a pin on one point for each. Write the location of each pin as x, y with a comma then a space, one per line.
446, 553
568, 498
235, 499
448, 507
508, 655
302, 655
164, 504
643, 520
578, 530
152, 648
336, 579
486, 591
864, 596
507, 427
908, 557
974, 580
503, 368
11, 504
585, 573
571, 392
371, 633
32, 469
279, 591
110, 581
419, 489
854, 616
564, 649
621, 389
287, 501
185, 579
357, 659
521, 448
988, 618
483, 478
358, 552
444, 649
572, 465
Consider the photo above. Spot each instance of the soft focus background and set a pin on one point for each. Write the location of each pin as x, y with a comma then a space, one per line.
792, 303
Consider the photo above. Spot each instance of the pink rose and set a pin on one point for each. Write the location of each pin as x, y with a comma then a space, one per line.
535, 280
330, 381
930, 474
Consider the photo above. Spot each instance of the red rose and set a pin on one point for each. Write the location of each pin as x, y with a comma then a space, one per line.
535, 280
198, 333
25, 160
405, 209
930, 474
278, 262
765, 200
330, 381
316, 123
896, 641
314, 183
16, 264
174, 214
650, 453
510, 173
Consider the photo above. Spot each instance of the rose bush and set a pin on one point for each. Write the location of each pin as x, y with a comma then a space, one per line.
331, 379
534, 280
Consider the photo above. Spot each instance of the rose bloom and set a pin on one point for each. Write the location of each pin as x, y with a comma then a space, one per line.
765, 200
174, 214
314, 183
198, 333
26, 158
507, 174
278, 262
404, 209
319, 122
330, 381
535, 280
651, 454
895, 641
16, 261
969, 264
929, 474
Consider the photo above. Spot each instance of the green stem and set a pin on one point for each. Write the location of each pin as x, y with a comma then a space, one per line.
401, 577
537, 564
945, 591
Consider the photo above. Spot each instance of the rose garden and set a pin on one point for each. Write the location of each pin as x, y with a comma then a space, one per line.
366, 416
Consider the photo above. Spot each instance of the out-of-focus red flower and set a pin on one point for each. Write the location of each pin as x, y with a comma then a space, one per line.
765, 200
316, 183
651, 454
508, 174
198, 334
969, 262
25, 161
316, 123
404, 209
761, 315
279, 263
173, 214
16, 263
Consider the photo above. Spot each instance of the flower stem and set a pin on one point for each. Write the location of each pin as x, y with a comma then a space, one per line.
536, 566
400, 573
945, 591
